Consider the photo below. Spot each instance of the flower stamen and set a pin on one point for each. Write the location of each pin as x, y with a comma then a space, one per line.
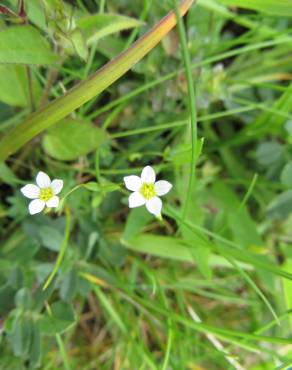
148, 191
46, 194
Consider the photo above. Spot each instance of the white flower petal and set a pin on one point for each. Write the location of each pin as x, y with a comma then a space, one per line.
57, 186
136, 200
36, 206
162, 187
30, 191
43, 180
154, 206
148, 175
53, 202
132, 183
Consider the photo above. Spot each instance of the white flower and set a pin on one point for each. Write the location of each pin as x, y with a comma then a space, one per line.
147, 191
43, 194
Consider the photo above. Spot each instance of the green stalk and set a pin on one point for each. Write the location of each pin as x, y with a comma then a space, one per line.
191, 106
62, 250
60, 343
86, 90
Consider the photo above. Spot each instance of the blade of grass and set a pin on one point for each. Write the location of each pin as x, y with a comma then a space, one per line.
255, 288
227, 247
191, 108
109, 308
225, 334
168, 346
167, 126
218, 345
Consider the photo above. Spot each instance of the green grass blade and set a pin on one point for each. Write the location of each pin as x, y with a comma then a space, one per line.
191, 107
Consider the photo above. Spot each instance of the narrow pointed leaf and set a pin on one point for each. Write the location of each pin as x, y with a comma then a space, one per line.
100, 25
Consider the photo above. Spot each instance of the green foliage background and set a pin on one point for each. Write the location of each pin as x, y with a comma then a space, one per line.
209, 286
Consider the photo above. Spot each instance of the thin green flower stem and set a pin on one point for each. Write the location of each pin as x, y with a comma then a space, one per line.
168, 346
166, 126
81, 5
102, 6
191, 106
90, 60
60, 342
112, 116
272, 323
63, 351
169, 76
249, 192
62, 249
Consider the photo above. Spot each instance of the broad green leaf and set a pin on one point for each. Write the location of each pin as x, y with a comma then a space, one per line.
160, 246
239, 221
14, 86
69, 285
59, 320
25, 45
79, 44
21, 335
286, 175
172, 248
7, 175
71, 139
137, 219
273, 7
201, 252
6, 298
86, 90
35, 347
23, 298
16, 276
97, 26
51, 237
175, 249
281, 206
269, 153
288, 127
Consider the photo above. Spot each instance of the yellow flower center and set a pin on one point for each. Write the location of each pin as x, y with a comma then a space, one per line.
46, 194
148, 191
